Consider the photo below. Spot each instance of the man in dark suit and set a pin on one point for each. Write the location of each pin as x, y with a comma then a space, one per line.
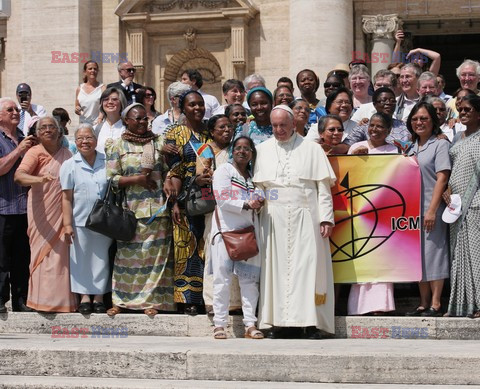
126, 84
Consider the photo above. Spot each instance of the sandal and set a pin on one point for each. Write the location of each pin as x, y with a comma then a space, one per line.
476, 315
253, 333
219, 333
150, 312
114, 311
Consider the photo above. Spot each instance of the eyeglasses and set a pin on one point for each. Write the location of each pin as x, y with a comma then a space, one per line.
148, 95
342, 102
84, 138
130, 70
139, 119
441, 109
464, 109
11, 109
243, 148
299, 108
334, 129
47, 126
111, 100
468, 75
228, 127
422, 119
332, 85
383, 86
387, 101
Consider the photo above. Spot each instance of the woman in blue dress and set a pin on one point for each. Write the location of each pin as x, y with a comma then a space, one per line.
84, 180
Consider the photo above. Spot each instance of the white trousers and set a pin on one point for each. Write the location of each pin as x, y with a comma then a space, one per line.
222, 278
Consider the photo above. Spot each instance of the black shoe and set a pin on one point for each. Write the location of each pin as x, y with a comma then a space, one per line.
3, 308
23, 308
85, 308
99, 307
417, 312
272, 333
191, 310
432, 312
312, 333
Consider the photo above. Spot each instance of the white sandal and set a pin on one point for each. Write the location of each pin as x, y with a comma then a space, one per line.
253, 333
219, 333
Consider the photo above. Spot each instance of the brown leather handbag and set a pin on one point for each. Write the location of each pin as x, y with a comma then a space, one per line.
240, 244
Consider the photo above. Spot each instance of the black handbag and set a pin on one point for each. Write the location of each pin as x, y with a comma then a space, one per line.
111, 217
199, 200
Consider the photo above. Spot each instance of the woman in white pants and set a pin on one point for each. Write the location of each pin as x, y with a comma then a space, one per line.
234, 193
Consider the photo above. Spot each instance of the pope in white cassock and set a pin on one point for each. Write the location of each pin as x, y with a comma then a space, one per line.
296, 287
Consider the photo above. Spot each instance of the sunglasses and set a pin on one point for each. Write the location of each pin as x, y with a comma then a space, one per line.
131, 70
332, 84
464, 109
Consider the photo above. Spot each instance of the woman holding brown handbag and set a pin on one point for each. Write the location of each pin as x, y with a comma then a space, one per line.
236, 202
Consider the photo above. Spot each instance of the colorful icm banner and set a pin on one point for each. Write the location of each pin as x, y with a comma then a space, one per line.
377, 230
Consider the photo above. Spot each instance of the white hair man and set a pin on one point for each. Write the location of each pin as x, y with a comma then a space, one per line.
468, 74
296, 287
427, 85
14, 244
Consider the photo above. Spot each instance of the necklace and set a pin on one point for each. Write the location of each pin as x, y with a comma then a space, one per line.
284, 165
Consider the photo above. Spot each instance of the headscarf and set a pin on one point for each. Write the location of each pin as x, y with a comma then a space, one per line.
260, 89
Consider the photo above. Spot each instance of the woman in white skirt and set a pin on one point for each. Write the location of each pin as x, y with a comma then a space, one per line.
84, 180
234, 192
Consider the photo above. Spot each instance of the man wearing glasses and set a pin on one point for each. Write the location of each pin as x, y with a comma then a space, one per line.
126, 84
14, 245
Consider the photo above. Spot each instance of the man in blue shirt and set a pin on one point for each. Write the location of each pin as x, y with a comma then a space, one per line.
14, 244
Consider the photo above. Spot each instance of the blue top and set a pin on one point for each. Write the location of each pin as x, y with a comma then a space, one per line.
13, 197
258, 133
88, 184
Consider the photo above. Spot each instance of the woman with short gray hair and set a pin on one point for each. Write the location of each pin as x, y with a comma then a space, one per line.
172, 116
359, 78
84, 180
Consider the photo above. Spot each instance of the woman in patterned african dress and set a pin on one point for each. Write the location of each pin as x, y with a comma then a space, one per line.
143, 268
188, 230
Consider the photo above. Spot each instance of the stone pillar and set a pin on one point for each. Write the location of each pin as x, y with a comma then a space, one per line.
382, 28
136, 48
321, 35
239, 49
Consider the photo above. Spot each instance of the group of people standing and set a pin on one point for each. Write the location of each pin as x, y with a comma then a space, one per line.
268, 157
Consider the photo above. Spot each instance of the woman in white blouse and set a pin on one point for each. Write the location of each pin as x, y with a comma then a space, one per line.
112, 103
87, 95
236, 202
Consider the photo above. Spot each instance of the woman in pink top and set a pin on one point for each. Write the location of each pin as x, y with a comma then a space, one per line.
374, 297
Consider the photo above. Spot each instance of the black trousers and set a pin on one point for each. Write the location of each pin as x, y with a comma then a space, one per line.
14, 259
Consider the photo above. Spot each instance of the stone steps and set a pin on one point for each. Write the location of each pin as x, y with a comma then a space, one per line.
15, 382
356, 361
201, 326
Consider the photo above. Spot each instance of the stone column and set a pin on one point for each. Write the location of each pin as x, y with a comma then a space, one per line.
239, 48
321, 35
136, 41
382, 28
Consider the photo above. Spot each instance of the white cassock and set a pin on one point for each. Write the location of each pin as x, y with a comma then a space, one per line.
296, 285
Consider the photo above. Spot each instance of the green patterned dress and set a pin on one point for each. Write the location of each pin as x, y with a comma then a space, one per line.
143, 268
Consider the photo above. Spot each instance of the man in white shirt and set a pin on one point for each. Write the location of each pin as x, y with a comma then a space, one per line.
409, 97
193, 78
27, 109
